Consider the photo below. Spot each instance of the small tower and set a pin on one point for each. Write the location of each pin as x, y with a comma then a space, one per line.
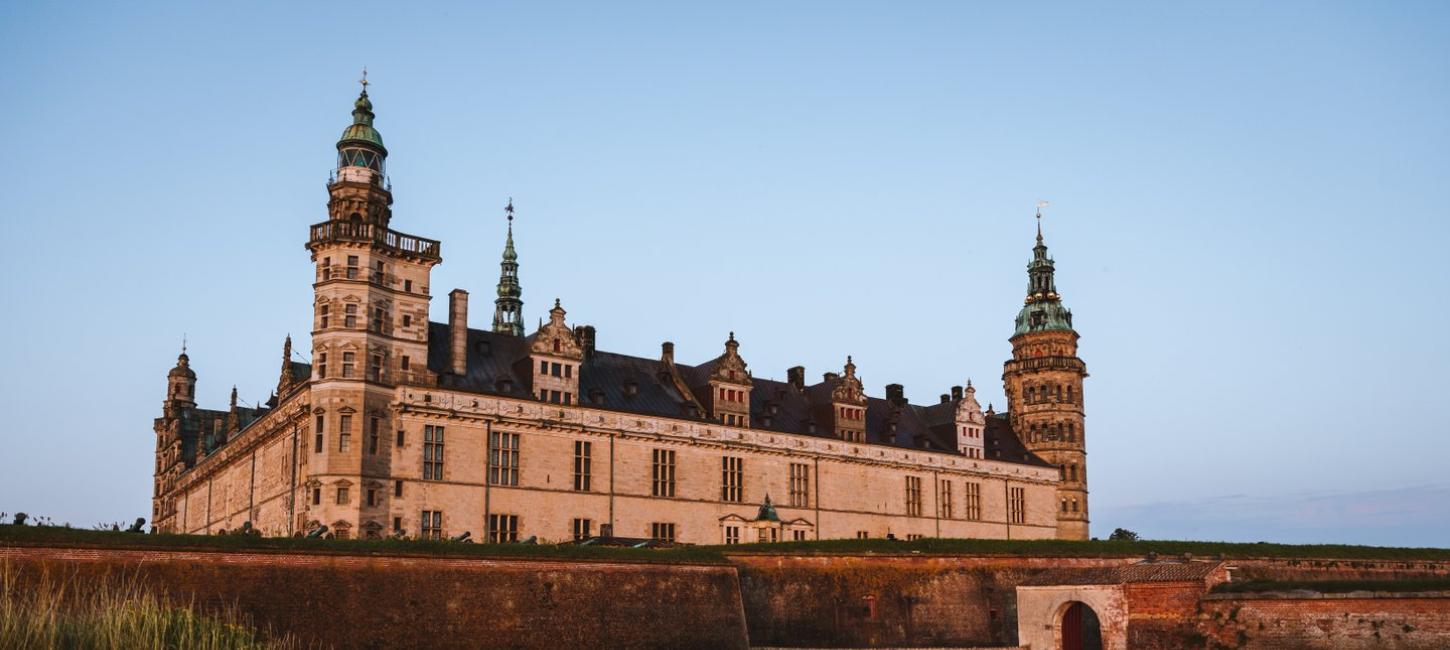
729, 387
175, 411
554, 358
508, 311
1043, 382
848, 405
971, 424
180, 386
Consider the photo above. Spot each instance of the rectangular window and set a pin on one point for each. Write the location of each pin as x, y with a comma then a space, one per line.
945, 500
372, 496
798, 535
503, 458
732, 479
972, 503
349, 315
343, 496
861, 534
503, 529
568, 372
556, 370
397, 488
432, 525
377, 322
911, 537
322, 313
322, 365
375, 370
348, 360
662, 483
405, 363
432, 453
316, 496
543, 367
732, 534
344, 432
397, 524
352, 267
800, 485
662, 532
373, 435
913, 496
582, 465
399, 442
582, 529
317, 448
408, 286
1017, 505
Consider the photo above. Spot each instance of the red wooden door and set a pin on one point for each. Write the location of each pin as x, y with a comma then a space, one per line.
1072, 627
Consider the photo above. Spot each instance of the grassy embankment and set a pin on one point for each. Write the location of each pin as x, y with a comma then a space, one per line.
49, 612
35, 535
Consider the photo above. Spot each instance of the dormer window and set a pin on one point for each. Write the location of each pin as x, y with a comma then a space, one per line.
556, 345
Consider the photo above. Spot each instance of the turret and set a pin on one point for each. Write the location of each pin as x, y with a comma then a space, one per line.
1043, 382
180, 385
508, 312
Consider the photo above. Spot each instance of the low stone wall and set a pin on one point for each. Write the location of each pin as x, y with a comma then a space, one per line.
1310, 621
358, 601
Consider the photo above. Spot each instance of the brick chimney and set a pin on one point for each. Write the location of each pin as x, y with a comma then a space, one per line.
585, 334
796, 376
956, 393
458, 332
896, 394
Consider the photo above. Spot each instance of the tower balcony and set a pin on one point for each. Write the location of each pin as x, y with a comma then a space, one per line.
362, 175
332, 231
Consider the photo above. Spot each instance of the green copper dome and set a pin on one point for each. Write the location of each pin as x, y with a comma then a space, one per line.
361, 131
1043, 310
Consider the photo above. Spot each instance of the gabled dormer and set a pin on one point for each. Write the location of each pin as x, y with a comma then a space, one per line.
554, 358
848, 406
971, 424
728, 393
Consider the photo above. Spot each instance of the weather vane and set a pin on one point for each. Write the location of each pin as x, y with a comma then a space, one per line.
1040, 205
510, 209
364, 80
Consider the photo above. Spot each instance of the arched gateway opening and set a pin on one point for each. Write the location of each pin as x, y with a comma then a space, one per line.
1080, 628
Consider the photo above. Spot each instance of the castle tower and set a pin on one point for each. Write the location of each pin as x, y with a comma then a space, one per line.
370, 331
180, 399
1043, 382
508, 311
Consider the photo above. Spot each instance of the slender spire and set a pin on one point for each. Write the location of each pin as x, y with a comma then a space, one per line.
509, 306
1042, 309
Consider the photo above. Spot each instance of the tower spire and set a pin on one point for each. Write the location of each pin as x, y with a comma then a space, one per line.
509, 306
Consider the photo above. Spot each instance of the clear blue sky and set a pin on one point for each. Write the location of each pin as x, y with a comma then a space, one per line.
1249, 218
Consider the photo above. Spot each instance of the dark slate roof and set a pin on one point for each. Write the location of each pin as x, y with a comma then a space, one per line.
1161, 571
497, 366
300, 371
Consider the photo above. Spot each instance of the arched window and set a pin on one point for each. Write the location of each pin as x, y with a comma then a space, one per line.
1074, 504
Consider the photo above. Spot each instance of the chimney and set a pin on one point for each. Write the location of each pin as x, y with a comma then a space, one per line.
585, 334
956, 393
458, 331
667, 353
829, 377
796, 376
896, 394
945, 398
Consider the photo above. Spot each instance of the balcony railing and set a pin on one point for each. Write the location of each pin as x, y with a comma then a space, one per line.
366, 233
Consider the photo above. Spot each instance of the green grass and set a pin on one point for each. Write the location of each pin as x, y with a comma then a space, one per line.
35, 535
1334, 586
42, 611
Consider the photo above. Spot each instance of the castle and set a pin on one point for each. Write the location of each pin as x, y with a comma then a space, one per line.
404, 425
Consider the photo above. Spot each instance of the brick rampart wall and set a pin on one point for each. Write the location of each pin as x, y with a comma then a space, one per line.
1328, 622
355, 601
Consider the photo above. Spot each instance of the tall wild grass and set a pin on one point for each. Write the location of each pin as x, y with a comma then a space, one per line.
43, 611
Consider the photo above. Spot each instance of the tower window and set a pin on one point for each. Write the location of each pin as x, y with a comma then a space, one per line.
344, 433
352, 266
322, 365
408, 286
407, 320
349, 318
376, 369
377, 324
348, 360
322, 314
405, 362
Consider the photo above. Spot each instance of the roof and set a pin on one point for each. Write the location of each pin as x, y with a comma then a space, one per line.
1159, 571
497, 365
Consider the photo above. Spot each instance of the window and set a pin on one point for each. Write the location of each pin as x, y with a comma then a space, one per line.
543, 367
408, 286
556, 370
913, 496
372, 496
568, 372
582, 464
1064, 504
432, 525
732, 479
397, 488
662, 532
973, 501
322, 314
372, 435
344, 432
348, 359
432, 453
1072, 472
377, 323
352, 267
316, 496
662, 476
503, 529
581, 529
798, 535
399, 442
800, 485
375, 370
322, 365
945, 500
397, 524
503, 458
343, 495
405, 363
911, 537
377, 271
317, 448
732, 534
861, 534
349, 316
1016, 505
1074, 504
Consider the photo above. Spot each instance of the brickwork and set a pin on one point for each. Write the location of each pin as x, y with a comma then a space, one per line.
1328, 622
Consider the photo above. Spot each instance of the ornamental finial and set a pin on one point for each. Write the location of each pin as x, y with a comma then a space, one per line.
509, 210
1040, 205
364, 81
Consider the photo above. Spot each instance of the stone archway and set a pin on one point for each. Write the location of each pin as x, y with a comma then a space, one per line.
1078, 627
